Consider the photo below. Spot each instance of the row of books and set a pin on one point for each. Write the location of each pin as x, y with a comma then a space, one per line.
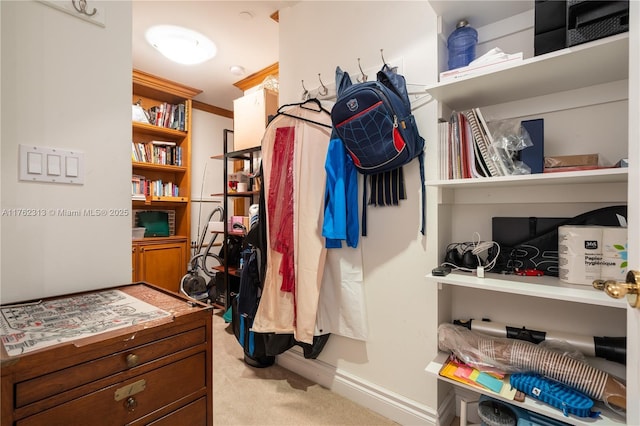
467, 148
168, 115
157, 152
141, 187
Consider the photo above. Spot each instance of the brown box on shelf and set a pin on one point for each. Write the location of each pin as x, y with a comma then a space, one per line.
251, 116
571, 160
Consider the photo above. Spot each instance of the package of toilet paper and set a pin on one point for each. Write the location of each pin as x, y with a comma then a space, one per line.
589, 252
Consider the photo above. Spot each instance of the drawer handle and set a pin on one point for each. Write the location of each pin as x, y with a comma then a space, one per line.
129, 390
130, 404
132, 360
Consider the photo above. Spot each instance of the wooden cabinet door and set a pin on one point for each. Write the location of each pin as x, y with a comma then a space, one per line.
162, 264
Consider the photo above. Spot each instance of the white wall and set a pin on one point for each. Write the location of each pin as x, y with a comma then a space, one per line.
66, 83
207, 174
315, 37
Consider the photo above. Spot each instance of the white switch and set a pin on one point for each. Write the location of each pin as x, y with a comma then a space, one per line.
72, 166
53, 165
45, 164
34, 163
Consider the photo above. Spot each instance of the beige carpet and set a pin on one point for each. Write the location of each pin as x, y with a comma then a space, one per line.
247, 396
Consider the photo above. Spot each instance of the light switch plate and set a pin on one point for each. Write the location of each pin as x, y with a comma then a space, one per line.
55, 165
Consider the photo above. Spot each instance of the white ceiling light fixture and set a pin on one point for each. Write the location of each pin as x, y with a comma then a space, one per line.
236, 69
246, 15
181, 45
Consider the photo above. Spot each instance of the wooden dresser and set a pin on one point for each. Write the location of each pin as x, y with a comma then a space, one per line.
155, 372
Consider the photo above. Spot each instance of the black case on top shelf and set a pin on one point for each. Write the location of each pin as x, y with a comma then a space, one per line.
593, 20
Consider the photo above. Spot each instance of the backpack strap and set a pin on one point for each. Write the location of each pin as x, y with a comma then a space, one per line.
343, 80
364, 206
395, 82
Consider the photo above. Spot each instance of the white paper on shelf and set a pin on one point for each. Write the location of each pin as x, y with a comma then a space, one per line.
493, 60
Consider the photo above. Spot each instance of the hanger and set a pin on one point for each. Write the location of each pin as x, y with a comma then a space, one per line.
312, 104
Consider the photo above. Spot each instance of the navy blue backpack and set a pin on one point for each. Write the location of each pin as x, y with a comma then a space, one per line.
374, 121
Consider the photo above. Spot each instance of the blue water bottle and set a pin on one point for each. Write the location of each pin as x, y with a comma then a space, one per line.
462, 45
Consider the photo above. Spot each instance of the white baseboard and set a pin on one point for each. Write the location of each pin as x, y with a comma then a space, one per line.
384, 402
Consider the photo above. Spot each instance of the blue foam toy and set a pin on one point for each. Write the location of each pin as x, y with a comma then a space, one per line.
565, 398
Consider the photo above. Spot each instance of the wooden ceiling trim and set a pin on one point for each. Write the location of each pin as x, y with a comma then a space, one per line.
257, 78
146, 82
212, 109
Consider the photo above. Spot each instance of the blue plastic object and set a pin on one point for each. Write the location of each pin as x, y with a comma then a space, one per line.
565, 398
461, 45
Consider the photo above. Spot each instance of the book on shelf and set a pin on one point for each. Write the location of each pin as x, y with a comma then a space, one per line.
139, 187
464, 148
454, 148
159, 188
171, 116
443, 153
533, 156
157, 152
471, 151
483, 140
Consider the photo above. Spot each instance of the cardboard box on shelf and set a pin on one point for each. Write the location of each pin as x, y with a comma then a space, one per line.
571, 160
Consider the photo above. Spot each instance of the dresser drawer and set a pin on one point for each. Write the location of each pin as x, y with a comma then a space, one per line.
124, 402
193, 414
30, 391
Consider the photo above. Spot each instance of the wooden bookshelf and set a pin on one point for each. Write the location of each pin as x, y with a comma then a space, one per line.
162, 261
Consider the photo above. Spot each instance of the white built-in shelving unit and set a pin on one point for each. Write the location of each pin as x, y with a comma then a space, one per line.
582, 93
